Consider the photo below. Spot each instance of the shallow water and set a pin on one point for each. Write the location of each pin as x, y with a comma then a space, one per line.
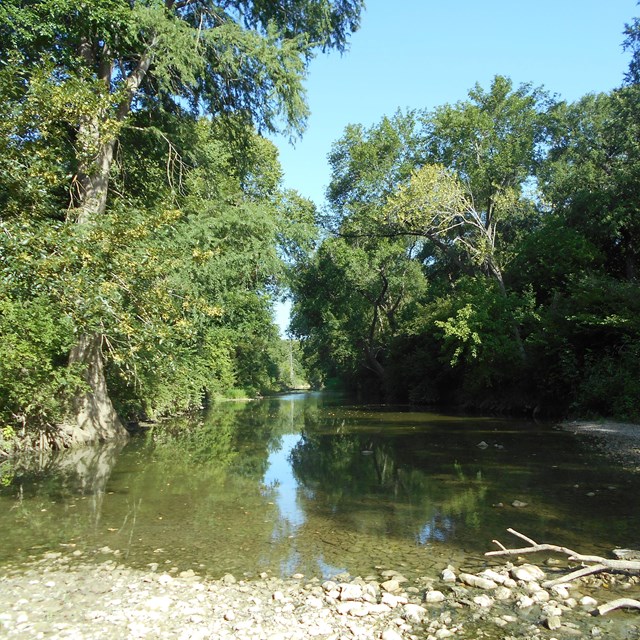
305, 483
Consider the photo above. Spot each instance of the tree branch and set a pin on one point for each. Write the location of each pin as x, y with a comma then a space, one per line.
596, 563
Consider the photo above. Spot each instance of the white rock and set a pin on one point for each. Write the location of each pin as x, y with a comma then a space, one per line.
329, 585
553, 623
588, 601
443, 633
350, 592
314, 603
448, 575
490, 574
371, 590
414, 613
378, 609
524, 602
391, 586
159, 603
477, 581
359, 610
138, 630
527, 573
561, 591
390, 600
390, 634
483, 600
518, 504
165, 578
482, 445
541, 596
502, 593
433, 597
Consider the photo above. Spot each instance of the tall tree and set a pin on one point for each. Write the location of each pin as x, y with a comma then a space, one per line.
592, 174
94, 64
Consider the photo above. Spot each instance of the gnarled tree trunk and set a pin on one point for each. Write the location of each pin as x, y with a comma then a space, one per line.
94, 414
95, 418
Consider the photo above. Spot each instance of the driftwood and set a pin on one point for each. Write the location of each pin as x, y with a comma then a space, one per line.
620, 603
594, 564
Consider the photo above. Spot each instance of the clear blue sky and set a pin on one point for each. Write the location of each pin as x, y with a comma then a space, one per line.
421, 54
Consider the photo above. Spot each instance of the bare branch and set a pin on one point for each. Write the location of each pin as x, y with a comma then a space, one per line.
596, 564
629, 603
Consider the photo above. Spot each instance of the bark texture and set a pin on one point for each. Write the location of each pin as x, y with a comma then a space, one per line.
95, 418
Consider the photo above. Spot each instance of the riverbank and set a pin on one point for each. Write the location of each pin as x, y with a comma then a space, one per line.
85, 596
617, 440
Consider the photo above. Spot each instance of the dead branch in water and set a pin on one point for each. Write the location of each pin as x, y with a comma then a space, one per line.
628, 603
594, 564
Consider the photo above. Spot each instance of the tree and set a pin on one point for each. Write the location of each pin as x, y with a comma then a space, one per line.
351, 296
632, 43
350, 301
493, 143
592, 173
367, 165
87, 69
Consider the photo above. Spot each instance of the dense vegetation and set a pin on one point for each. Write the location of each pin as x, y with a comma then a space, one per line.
484, 254
144, 231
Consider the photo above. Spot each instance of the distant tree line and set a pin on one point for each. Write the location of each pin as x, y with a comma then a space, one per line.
484, 254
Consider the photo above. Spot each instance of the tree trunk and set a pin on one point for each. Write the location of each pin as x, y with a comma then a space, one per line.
95, 417
93, 184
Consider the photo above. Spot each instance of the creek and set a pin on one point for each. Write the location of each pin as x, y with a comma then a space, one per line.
308, 483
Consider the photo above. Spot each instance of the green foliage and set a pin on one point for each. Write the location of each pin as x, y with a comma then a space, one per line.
183, 224
34, 383
514, 219
593, 172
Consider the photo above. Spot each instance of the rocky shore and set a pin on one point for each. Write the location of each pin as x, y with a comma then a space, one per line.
617, 440
85, 597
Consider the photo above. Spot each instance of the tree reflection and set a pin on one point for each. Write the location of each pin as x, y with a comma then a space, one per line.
368, 481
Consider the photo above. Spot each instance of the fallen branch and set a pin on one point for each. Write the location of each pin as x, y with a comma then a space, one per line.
629, 603
595, 564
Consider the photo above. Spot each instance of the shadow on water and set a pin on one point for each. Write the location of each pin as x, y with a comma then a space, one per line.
306, 483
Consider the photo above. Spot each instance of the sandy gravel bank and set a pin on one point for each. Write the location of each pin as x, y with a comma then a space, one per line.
620, 440
62, 597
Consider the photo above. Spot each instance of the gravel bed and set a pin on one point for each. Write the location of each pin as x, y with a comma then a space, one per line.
618, 440
80, 597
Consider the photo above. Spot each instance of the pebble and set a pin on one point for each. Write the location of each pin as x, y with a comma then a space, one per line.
588, 601
484, 601
553, 622
391, 586
433, 597
477, 581
448, 575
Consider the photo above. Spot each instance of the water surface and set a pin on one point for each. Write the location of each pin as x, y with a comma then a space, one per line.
308, 484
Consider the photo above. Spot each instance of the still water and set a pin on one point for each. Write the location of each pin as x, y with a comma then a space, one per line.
307, 484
